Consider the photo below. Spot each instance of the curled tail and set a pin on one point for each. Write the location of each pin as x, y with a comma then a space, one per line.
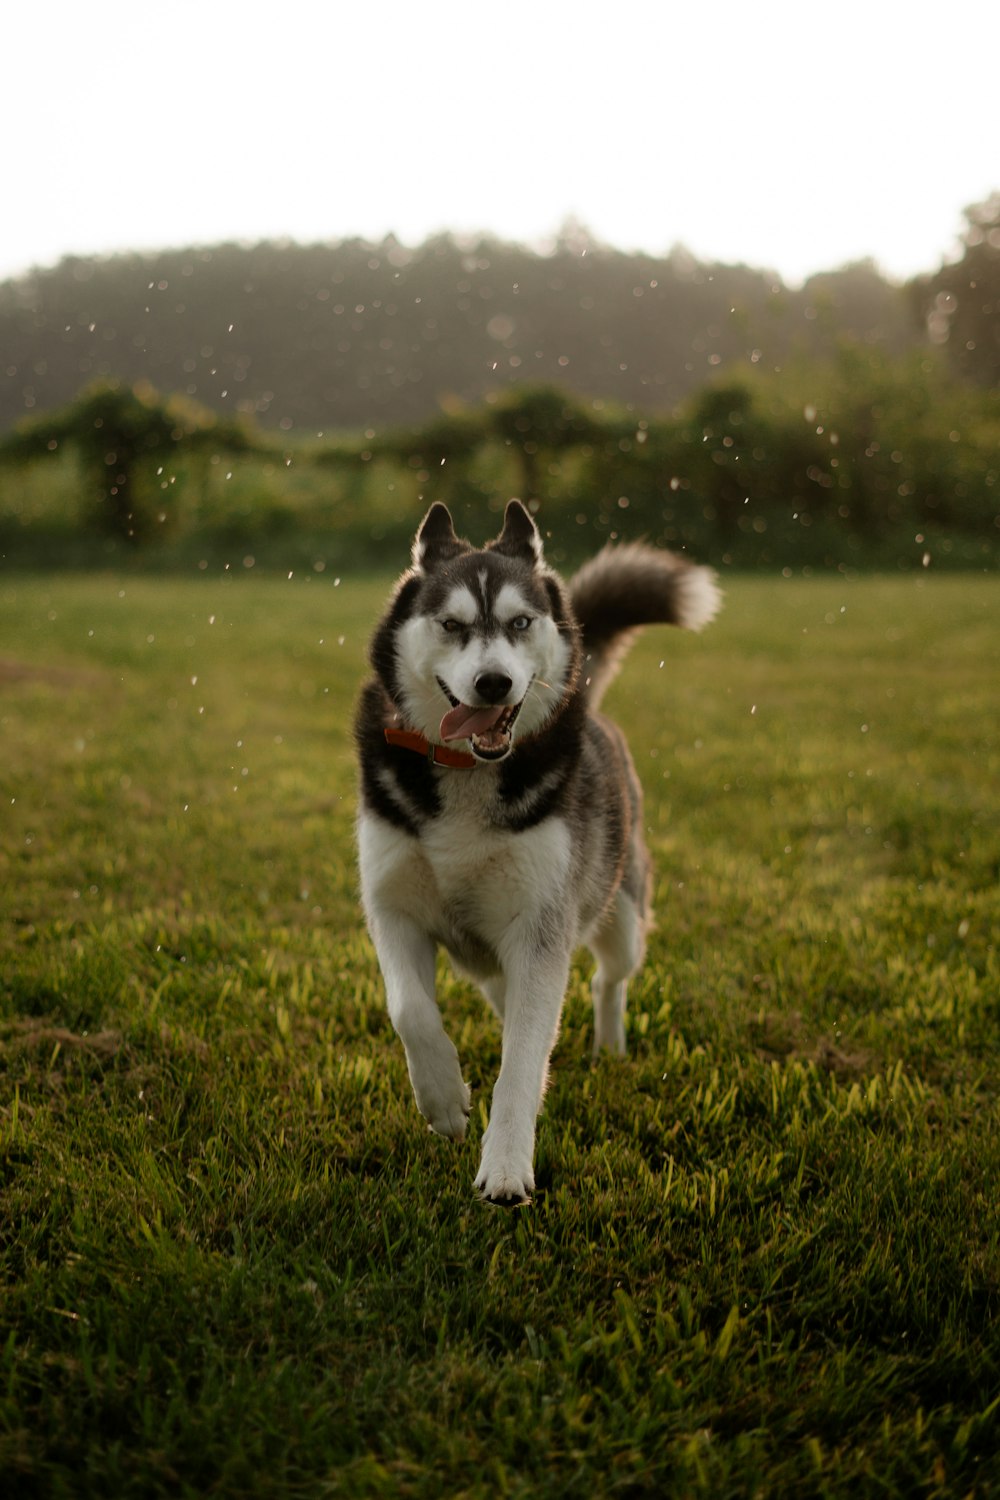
624, 588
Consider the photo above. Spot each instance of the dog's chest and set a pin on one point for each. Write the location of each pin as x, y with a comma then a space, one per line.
479, 863
465, 879
472, 882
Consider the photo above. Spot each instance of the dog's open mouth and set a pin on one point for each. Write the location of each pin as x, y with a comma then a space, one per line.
487, 729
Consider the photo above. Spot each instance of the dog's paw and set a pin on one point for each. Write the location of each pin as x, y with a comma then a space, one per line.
505, 1177
449, 1117
443, 1097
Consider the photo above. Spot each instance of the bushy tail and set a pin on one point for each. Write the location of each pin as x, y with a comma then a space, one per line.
624, 588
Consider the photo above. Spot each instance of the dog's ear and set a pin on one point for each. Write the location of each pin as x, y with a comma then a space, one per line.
520, 536
435, 541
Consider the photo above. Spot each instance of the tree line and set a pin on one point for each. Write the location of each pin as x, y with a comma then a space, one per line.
322, 338
860, 460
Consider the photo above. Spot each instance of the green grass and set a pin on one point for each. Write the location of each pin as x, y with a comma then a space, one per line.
763, 1257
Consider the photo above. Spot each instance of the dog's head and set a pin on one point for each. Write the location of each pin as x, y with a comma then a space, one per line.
479, 644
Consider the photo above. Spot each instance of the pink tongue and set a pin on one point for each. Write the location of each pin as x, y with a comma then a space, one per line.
461, 723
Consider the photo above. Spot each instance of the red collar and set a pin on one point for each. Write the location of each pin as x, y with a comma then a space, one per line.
437, 755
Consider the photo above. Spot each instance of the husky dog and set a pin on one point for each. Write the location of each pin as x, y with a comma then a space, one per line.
500, 815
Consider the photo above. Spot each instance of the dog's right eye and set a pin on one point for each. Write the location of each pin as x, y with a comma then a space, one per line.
450, 626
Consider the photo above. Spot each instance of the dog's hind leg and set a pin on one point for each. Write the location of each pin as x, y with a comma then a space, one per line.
618, 945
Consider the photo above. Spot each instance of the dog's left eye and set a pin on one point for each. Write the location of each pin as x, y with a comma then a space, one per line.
520, 622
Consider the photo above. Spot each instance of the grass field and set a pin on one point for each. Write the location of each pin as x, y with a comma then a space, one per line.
763, 1257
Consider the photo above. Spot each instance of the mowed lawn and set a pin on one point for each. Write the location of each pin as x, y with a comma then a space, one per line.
763, 1255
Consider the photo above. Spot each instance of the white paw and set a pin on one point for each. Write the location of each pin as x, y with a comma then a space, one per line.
505, 1173
441, 1093
610, 1042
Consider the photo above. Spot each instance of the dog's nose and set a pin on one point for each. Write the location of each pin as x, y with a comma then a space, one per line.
493, 687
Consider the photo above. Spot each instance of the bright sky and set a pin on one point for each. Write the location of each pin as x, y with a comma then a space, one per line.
790, 136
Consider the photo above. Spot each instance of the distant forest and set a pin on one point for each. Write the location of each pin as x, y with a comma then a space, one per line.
326, 338
284, 400
332, 337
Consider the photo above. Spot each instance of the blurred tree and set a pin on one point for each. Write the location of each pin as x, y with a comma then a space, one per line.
856, 303
960, 303
541, 422
531, 422
118, 431
877, 447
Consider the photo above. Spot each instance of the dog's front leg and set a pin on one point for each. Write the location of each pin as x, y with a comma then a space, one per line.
406, 957
536, 984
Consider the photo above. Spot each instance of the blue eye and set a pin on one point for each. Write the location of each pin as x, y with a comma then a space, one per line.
520, 622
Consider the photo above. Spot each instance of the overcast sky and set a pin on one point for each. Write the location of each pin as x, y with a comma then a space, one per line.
784, 135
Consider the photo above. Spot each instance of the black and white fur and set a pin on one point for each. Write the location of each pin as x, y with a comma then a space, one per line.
538, 848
